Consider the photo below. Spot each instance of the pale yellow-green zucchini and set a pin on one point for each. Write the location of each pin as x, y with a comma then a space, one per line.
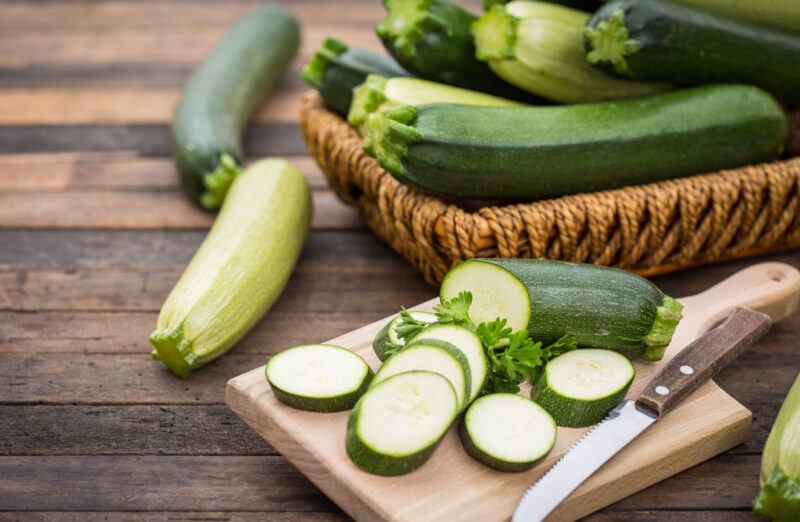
239, 270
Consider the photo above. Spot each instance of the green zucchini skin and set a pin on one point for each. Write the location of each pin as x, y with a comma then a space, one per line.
574, 413
600, 307
655, 40
336, 69
533, 153
781, 14
432, 39
222, 94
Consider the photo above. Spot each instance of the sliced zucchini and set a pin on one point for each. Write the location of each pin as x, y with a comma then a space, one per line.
318, 377
435, 356
398, 423
470, 345
580, 387
387, 337
507, 432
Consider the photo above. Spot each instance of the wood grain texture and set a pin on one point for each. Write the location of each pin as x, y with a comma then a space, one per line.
706, 423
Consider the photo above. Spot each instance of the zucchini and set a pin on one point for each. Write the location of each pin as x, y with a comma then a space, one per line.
387, 337
580, 387
507, 432
318, 377
539, 47
396, 426
379, 93
336, 69
599, 307
431, 355
655, 40
530, 153
781, 14
583, 5
432, 40
468, 343
239, 270
221, 96
779, 498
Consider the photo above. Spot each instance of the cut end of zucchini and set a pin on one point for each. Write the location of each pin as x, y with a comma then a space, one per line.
174, 350
387, 136
609, 42
668, 315
314, 71
367, 98
495, 34
318, 377
779, 498
218, 182
406, 24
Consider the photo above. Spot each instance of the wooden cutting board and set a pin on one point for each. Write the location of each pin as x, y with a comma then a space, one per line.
452, 486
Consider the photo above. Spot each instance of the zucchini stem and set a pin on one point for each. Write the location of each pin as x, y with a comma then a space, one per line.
495, 34
388, 134
367, 97
610, 42
407, 23
219, 181
314, 71
658, 338
174, 350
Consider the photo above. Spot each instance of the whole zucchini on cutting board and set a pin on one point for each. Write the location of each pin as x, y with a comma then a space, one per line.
221, 96
656, 40
240, 269
529, 153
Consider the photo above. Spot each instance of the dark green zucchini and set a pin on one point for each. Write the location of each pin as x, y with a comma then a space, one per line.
528, 153
336, 69
599, 307
432, 40
221, 96
655, 40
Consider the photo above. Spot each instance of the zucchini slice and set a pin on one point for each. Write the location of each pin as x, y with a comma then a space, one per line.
507, 432
580, 387
399, 422
336, 69
221, 96
387, 336
600, 307
654, 40
435, 356
468, 343
318, 377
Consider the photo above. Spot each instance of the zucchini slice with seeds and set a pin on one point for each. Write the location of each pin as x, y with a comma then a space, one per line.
507, 432
580, 387
318, 377
387, 336
396, 426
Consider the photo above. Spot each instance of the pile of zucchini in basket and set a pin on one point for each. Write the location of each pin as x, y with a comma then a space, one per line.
536, 99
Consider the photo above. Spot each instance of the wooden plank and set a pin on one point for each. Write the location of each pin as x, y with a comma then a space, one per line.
148, 430
180, 516
277, 139
150, 483
87, 170
654, 515
137, 210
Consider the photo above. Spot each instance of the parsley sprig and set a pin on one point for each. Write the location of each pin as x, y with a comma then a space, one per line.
406, 328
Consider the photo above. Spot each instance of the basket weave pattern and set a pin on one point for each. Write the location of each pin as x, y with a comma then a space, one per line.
649, 229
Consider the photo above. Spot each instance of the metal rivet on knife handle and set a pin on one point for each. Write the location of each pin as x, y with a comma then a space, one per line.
704, 357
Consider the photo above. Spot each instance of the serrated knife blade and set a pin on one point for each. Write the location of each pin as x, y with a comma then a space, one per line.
623, 424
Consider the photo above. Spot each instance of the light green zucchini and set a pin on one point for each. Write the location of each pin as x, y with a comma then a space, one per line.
239, 270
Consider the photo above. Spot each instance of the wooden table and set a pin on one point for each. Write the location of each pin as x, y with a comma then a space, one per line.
94, 232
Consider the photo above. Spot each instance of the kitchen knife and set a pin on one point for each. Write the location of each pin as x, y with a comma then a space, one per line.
690, 368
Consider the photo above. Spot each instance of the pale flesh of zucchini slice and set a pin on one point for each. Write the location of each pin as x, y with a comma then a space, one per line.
431, 355
496, 292
470, 345
507, 432
388, 335
318, 377
399, 422
580, 387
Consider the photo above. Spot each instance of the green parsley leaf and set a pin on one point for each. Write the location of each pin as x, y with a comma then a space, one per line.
492, 333
564, 344
456, 310
406, 329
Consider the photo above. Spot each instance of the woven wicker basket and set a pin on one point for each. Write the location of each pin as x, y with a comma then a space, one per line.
649, 229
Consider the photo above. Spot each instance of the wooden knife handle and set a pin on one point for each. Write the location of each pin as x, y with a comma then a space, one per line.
703, 358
